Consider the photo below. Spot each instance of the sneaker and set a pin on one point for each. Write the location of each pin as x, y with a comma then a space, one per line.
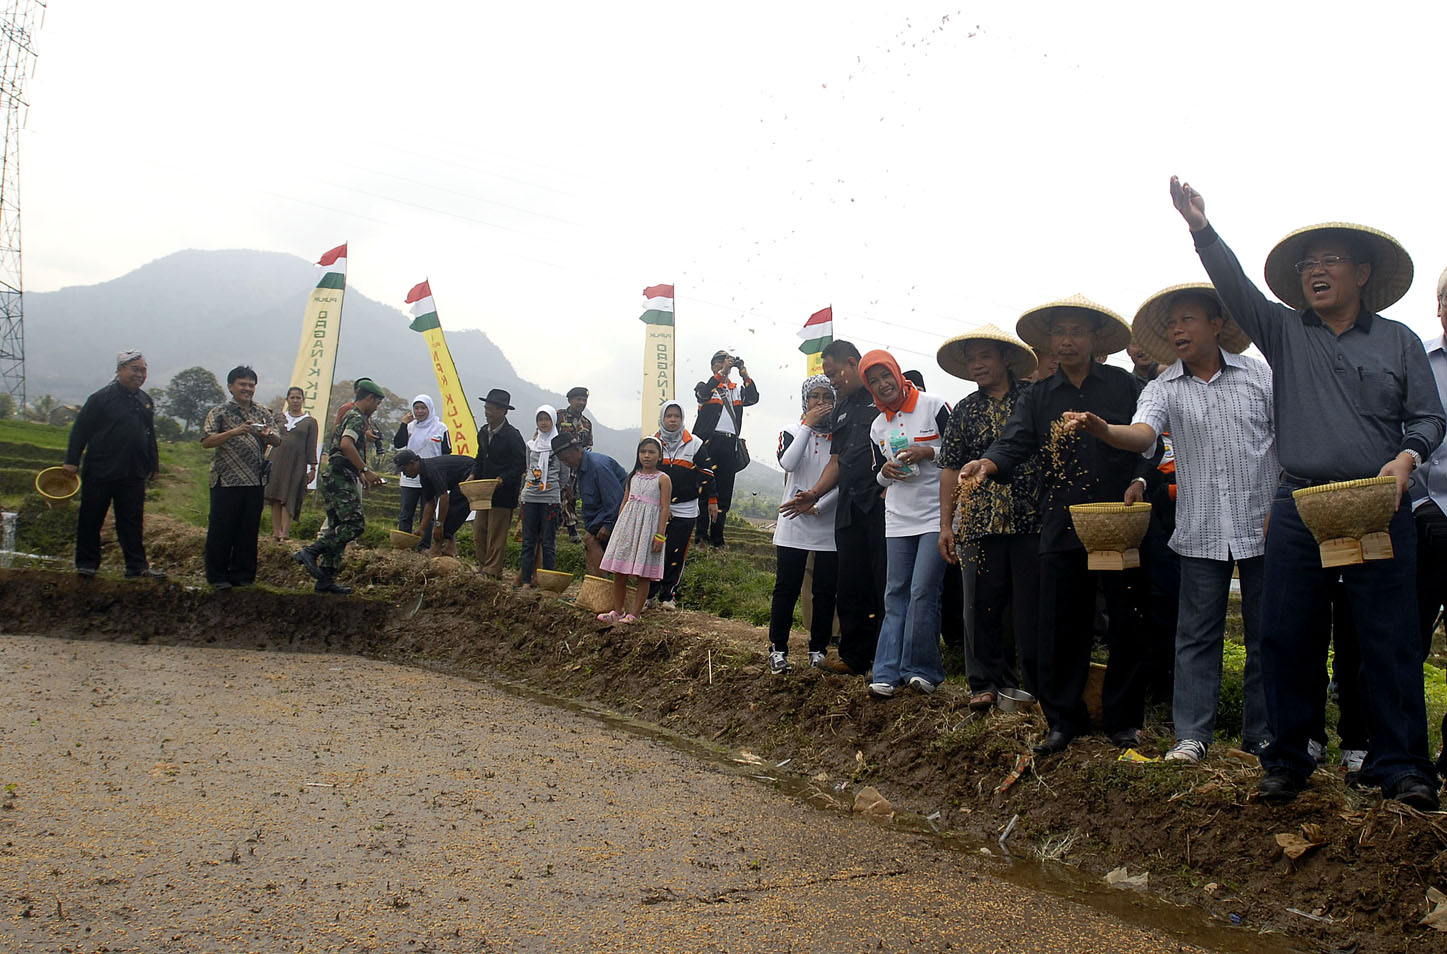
778, 664
881, 690
1187, 750
921, 684
816, 660
85, 571
1317, 751
1352, 759
145, 573
667, 604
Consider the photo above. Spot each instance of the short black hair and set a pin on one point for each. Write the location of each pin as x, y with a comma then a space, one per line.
1208, 302
839, 350
238, 372
915, 378
296, 389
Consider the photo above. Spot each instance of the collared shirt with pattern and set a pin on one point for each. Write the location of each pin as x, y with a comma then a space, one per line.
1429, 482
992, 508
238, 461
1224, 438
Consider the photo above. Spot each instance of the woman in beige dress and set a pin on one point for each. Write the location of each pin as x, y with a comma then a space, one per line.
293, 465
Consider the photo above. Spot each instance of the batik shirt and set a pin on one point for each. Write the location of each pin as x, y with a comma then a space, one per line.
992, 508
238, 461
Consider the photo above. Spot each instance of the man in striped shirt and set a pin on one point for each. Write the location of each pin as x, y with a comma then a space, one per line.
1217, 407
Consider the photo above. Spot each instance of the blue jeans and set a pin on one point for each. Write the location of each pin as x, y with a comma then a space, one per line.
1200, 632
1294, 635
909, 639
411, 499
540, 525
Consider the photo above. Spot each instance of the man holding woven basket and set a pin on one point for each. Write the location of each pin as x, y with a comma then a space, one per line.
1354, 398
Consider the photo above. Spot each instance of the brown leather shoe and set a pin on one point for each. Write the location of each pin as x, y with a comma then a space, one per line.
837, 666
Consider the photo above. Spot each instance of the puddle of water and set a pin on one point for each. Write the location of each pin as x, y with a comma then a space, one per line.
1014, 863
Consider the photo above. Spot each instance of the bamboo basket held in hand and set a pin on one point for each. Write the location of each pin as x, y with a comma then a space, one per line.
1349, 519
1111, 532
479, 492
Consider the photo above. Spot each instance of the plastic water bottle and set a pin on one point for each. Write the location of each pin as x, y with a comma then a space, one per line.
897, 443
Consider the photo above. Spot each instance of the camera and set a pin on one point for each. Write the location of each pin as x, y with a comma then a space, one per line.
738, 361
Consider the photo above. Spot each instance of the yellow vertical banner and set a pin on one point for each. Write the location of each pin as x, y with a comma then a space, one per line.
321, 327
813, 364
451, 400
658, 358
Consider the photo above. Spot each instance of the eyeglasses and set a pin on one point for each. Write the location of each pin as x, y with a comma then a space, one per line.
1328, 261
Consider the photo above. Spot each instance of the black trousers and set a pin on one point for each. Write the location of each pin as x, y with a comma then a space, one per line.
1431, 568
1067, 615
1007, 599
952, 609
788, 583
722, 451
231, 533
1346, 666
860, 596
677, 536
96, 497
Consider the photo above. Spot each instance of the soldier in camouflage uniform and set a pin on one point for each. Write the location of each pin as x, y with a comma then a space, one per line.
571, 421
346, 465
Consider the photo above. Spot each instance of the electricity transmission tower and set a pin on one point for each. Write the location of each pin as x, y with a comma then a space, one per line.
16, 61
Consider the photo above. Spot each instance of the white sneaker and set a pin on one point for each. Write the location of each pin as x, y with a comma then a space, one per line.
1186, 750
667, 605
778, 664
1352, 759
1316, 750
816, 660
921, 684
883, 690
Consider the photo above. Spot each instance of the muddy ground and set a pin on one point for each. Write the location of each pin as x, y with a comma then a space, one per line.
183, 799
1361, 885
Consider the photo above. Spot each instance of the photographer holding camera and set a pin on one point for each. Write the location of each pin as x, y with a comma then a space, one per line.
720, 425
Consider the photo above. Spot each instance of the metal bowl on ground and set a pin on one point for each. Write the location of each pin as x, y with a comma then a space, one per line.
554, 581
1111, 532
479, 492
57, 485
404, 541
1349, 519
1014, 700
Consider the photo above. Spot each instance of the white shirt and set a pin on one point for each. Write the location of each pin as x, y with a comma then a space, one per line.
804, 454
912, 505
726, 413
1224, 437
1430, 480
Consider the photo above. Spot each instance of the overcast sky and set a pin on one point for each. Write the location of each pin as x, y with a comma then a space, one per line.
924, 167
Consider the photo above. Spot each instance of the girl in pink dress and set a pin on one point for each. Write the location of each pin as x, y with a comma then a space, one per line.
635, 547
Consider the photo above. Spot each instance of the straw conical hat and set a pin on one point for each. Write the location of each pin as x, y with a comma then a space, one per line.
1391, 265
1018, 357
1112, 333
1149, 328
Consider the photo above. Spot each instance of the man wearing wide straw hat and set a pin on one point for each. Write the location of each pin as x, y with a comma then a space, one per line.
1075, 469
1217, 407
1354, 398
998, 546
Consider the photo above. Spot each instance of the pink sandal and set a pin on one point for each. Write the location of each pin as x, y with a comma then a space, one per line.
629, 618
609, 617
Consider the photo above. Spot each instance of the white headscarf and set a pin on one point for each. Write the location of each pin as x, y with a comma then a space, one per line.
671, 440
543, 443
424, 438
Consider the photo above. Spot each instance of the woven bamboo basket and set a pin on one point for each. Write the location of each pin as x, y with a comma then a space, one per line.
596, 595
554, 581
479, 492
57, 485
1111, 532
1349, 519
404, 541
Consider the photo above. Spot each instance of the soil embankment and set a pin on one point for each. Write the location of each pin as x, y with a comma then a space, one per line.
1360, 885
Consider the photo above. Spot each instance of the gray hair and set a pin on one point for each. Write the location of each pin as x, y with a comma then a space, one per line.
1442, 286
126, 356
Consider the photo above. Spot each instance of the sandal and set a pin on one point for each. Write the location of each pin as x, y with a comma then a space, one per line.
629, 618
609, 617
981, 701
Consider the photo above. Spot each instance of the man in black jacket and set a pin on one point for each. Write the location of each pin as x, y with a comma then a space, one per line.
720, 424
501, 454
116, 431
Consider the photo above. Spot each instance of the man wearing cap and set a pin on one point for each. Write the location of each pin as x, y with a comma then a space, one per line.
1075, 469
572, 421
501, 454
444, 505
1354, 398
116, 431
998, 544
346, 466
600, 481
1217, 406
720, 424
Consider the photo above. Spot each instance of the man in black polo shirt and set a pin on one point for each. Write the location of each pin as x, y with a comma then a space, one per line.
1355, 398
444, 505
859, 518
1076, 468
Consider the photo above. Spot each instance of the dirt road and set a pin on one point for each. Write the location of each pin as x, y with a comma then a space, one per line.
186, 799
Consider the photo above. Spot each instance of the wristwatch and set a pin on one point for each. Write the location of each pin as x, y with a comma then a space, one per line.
1416, 457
